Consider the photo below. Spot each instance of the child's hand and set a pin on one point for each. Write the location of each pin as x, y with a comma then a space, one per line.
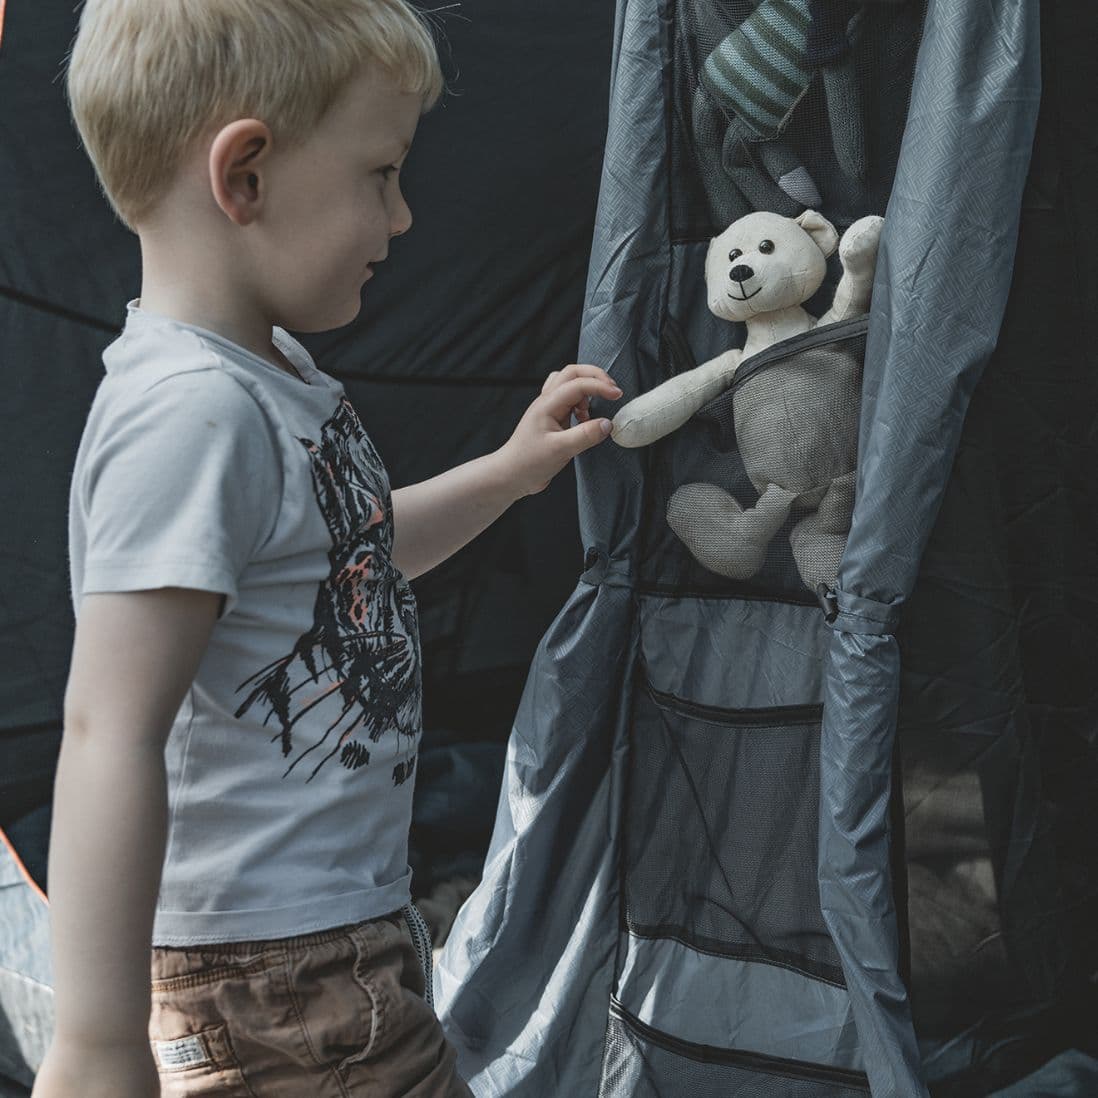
543, 442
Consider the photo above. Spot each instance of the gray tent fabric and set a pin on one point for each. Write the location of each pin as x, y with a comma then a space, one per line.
942, 283
552, 982
26, 983
524, 983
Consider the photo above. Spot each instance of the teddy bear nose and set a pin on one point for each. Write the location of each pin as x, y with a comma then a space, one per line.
741, 273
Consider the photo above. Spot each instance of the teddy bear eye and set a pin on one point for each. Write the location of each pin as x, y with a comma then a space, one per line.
734, 254
766, 246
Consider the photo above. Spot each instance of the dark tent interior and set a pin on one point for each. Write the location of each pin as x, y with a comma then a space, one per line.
996, 767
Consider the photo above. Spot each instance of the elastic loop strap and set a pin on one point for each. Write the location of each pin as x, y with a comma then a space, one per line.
858, 615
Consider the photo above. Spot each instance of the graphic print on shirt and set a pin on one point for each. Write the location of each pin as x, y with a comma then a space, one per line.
355, 675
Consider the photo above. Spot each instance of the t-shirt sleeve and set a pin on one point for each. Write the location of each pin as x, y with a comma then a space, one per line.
180, 489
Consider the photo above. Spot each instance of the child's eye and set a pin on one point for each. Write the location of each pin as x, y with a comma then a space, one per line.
388, 172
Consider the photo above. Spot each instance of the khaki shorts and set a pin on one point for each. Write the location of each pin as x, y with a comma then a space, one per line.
339, 1014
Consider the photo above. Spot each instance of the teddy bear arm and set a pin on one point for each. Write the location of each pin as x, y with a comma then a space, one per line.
667, 407
858, 253
851, 299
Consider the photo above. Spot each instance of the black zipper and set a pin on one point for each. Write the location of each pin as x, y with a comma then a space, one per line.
839, 332
752, 1061
759, 717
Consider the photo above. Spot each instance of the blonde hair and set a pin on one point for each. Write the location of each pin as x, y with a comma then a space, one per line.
147, 77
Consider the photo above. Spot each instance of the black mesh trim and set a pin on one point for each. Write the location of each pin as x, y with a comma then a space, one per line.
761, 717
854, 328
672, 591
754, 1061
713, 947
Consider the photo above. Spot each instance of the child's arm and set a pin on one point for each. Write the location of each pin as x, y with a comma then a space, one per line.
434, 519
134, 658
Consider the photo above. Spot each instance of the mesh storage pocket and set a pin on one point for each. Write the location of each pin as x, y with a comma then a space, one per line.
641, 1062
753, 496
721, 832
785, 104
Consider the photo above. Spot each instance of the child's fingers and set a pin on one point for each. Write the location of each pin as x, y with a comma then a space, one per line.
571, 372
560, 401
574, 440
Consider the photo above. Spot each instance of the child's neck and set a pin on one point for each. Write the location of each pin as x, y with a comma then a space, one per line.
209, 302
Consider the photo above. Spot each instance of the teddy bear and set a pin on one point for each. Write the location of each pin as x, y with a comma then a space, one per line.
801, 460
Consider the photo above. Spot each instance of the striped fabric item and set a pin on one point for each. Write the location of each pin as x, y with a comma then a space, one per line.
759, 72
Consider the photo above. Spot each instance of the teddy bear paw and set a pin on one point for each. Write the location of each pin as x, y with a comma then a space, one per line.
858, 247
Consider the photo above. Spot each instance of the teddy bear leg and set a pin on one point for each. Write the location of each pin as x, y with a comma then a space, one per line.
720, 534
837, 506
819, 539
817, 553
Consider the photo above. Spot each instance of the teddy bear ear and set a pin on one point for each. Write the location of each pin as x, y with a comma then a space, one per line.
821, 230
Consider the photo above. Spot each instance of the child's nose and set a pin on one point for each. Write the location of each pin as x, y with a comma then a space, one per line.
401, 220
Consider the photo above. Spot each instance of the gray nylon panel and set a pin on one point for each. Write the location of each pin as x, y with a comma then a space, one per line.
942, 281
523, 986
524, 983
624, 303
701, 998
26, 992
638, 1067
733, 653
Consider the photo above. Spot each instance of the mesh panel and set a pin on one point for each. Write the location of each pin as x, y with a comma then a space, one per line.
639, 1062
753, 496
721, 832
784, 104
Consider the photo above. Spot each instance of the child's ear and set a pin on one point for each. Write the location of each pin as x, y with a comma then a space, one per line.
238, 156
821, 230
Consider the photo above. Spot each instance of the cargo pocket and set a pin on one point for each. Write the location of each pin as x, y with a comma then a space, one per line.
721, 832
642, 1062
199, 1064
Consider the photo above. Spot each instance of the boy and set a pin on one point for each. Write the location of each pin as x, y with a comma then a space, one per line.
243, 708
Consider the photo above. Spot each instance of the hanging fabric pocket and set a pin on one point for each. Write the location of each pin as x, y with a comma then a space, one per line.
643, 1062
720, 834
758, 488
785, 104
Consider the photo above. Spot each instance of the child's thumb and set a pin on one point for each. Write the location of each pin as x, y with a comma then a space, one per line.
585, 435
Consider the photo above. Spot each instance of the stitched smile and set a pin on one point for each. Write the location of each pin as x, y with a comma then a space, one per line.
746, 297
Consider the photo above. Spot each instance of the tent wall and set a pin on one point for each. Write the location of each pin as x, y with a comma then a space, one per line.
682, 1017
998, 717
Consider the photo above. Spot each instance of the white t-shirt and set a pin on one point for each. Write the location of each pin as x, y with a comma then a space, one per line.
290, 761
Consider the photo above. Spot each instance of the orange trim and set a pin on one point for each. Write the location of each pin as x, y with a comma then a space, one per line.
3, 837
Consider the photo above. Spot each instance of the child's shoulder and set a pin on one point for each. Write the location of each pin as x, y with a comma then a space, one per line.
168, 378
170, 362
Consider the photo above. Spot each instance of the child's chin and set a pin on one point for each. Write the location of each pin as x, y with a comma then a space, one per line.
329, 321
